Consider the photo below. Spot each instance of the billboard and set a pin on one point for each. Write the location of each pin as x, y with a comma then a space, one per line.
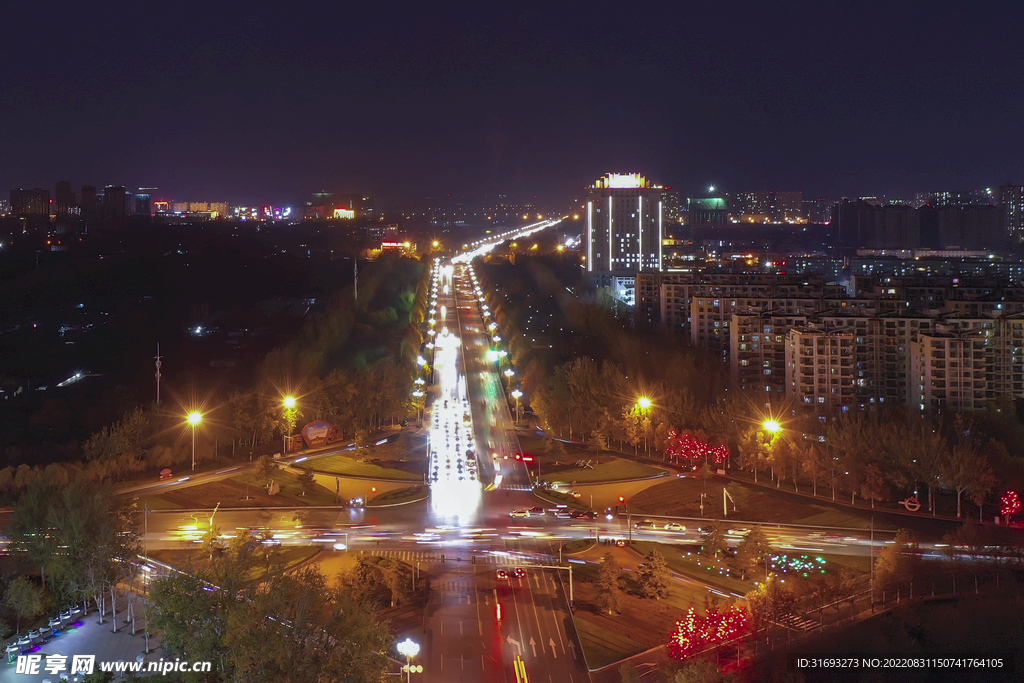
319, 433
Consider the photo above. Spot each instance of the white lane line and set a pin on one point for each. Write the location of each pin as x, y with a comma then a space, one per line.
461, 633
479, 621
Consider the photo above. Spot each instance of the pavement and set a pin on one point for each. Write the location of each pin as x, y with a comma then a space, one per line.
87, 637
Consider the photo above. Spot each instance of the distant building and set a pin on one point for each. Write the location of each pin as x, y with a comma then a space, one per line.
144, 202
768, 207
88, 202
115, 204
1011, 201
65, 197
34, 202
707, 211
625, 223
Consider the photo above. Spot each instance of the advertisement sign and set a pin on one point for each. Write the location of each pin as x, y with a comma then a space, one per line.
319, 433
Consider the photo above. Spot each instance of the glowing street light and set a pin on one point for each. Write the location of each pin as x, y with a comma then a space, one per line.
194, 418
289, 402
517, 395
644, 403
409, 649
509, 372
772, 426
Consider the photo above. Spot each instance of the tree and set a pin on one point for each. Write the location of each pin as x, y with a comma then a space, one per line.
873, 486
317, 633
258, 626
25, 599
308, 481
29, 523
713, 539
391, 575
813, 465
700, 670
553, 448
895, 566
265, 468
768, 603
753, 549
609, 575
965, 468
598, 441
653, 576
628, 673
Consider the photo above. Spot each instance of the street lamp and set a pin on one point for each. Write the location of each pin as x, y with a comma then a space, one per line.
772, 426
410, 649
643, 404
194, 418
290, 402
517, 395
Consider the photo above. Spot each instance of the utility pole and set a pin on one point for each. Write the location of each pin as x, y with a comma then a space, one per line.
872, 565
159, 364
355, 280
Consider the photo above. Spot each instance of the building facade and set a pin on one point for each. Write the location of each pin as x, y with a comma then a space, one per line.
625, 223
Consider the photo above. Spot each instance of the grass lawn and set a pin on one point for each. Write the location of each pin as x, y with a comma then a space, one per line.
285, 558
680, 497
695, 566
291, 488
602, 646
606, 468
394, 496
558, 498
344, 465
578, 546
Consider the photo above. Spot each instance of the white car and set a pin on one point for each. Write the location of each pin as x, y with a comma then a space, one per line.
519, 513
674, 526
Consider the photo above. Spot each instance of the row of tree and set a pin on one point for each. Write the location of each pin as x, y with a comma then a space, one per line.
257, 623
81, 539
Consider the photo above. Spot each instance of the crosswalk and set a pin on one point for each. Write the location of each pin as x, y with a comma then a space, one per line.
426, 556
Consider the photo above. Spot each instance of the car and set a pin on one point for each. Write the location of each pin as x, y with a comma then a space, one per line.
674, 526
646, 524
519, 513
502, 575
575, 494
584, 514
538, 510
563, 513
519, 572
738, 532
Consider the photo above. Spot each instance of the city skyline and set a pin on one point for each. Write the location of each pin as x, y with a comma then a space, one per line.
818, 99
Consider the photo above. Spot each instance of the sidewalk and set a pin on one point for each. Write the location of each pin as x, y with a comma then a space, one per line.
86, 637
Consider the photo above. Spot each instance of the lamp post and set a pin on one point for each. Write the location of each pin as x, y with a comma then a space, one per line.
772, 426
289, 415
410, 649
643, 405
194, 418
510, 373
517, 395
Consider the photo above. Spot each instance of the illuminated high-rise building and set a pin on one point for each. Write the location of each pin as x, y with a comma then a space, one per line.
625, 224
1011, 199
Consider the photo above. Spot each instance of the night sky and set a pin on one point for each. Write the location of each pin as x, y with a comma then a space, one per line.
245, 105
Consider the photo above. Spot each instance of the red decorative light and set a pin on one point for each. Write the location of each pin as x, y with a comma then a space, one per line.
686, 447
1011, 503
694, 633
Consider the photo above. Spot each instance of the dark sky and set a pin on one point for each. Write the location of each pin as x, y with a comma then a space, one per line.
251, 105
